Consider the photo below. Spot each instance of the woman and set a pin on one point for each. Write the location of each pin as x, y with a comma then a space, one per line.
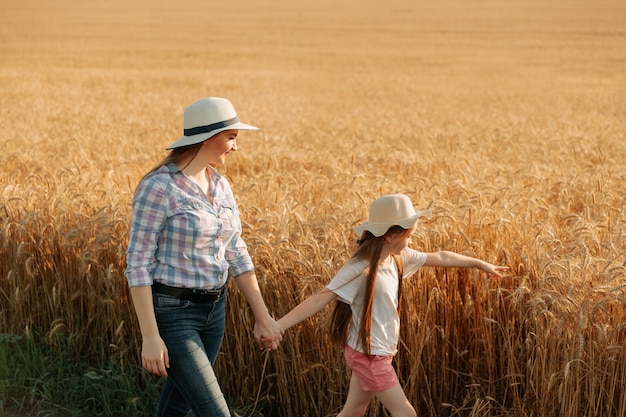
184, 241
368, 290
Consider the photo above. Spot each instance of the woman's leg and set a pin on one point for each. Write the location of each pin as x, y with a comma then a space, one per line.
193, 335
357, 401
172, 403
394, 399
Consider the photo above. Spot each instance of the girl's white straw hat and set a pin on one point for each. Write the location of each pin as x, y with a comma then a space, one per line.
388, 211
206, 118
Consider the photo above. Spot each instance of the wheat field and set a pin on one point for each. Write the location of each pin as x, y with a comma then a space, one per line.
507, 119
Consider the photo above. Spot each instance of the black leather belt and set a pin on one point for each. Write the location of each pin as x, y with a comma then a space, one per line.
195, 295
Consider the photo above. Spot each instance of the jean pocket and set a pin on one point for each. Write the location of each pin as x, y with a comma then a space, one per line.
167, 302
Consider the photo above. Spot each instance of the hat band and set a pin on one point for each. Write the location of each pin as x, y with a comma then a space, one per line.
211, 127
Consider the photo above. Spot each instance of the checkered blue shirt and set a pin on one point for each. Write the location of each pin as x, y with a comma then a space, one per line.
178, 238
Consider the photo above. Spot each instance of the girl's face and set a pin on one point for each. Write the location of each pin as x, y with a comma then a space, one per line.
215, 149
399, 242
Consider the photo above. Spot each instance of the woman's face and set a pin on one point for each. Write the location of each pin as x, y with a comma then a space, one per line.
215, 149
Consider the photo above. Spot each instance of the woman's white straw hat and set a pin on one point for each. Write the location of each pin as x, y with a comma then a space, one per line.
388, 211
206, 118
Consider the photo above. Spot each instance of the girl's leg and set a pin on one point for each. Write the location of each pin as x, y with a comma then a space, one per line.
394, 399
357, 401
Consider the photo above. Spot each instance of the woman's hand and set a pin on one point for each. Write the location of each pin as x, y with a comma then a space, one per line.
268, 333
154, 356
265, 327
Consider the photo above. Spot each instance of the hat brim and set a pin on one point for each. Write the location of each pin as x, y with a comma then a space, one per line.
195, 139
379, 229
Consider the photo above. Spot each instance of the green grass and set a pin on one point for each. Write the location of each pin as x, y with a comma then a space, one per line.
45, 380
39, 379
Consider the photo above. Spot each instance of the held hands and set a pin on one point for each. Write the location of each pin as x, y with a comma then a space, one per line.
155, 356
268, 333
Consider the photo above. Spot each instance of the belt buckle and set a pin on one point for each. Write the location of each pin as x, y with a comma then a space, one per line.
200, 291
199, 295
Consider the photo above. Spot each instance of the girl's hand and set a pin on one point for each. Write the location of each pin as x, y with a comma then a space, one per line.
494, 269
267, 343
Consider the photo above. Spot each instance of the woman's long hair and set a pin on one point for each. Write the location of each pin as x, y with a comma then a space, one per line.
179, 156
370, 248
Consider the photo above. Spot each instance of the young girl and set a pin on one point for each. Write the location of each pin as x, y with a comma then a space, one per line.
369, 289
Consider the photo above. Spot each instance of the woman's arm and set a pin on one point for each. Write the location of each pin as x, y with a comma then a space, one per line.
154, 356
454, 260
307, 308
265, 327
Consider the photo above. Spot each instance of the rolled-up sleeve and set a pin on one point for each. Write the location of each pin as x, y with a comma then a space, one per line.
148, 218
236, 250
238, 257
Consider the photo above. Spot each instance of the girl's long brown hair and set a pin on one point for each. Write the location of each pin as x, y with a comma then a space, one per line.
370, 248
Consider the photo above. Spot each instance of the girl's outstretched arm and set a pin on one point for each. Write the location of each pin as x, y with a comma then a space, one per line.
455, 260
307, 308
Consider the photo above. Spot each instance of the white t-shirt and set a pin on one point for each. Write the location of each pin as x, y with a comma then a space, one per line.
349, 285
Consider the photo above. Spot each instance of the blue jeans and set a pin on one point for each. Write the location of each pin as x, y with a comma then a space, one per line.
193, 335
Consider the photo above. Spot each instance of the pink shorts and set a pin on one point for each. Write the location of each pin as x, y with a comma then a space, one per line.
376, 374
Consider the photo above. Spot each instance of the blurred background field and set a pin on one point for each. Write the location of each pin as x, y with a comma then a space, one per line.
507, 119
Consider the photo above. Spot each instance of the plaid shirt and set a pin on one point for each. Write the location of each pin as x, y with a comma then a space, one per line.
178, 238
